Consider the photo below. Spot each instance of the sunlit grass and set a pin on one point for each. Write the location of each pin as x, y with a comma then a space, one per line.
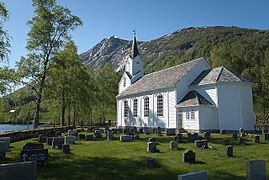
102, 159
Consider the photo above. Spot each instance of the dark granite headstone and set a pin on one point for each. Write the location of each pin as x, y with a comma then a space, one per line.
136, 136
178, 137
189, 157
234, 135
89, 137
228, 150
146, 131
225, 142
201, 143
29, 146
170, 132
58, 133
256, 170
19, 171
42, 138
173, 145
222, 131
192, 137
151, 147
159, 131
240, 141
57, 142
151, 162
66, 148
81, 136
152, 140
207, 135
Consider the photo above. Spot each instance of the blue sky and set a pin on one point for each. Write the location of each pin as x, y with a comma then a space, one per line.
150, 18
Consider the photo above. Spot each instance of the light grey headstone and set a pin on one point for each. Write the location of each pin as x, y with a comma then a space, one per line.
70, 139
256, 170
201, 175
126, 138
22, 170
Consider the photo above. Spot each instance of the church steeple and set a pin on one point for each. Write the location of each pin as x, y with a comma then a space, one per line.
134, 51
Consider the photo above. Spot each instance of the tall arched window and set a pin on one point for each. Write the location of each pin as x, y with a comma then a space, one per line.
126, 108
146, 107
159, 105
135, 108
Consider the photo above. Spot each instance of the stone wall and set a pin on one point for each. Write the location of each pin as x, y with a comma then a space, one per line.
32, 133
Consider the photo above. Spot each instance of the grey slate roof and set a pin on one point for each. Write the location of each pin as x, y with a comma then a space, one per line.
193, 98
161, 79
219, 74
134, 51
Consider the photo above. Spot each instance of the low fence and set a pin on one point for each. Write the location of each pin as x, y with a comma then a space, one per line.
32, 133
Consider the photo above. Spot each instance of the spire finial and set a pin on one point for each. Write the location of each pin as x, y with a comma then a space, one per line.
135, 51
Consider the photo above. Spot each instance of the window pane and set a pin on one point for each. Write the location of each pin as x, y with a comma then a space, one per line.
135, 108
159, 105
146, 107
192, 114
126, 108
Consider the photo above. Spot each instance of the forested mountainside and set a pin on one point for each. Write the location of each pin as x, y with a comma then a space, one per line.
244, 51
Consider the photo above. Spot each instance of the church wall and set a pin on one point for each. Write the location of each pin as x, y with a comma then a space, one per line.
183, 85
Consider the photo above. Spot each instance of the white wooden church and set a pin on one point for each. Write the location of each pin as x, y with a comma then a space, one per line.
192, 96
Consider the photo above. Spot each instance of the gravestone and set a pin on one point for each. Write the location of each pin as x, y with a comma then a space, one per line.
201, 175
126, 138
3, 148
189, 157
151, 162
6, 139
192, 137
82, 136
228, 151
58, 133
136, 136
70, 139
234, 135
178, 137
243, 134
29, 146
109, 135
266, 136
170, 132
49, 141
240, 130
66, 148
256, 170
146, 131
159, 131
134, 130
173, 145
152, 140
256, 139
225, 142
89, 137
71, 132
141, 131
240, 141
222, 131
34, 152
42, 138
207, 135
57, 142
151, 147
201, 143
19, 171
97, 133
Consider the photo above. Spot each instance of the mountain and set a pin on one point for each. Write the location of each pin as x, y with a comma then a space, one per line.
174, 48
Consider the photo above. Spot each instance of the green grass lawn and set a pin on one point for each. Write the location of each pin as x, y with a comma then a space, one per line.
102, 159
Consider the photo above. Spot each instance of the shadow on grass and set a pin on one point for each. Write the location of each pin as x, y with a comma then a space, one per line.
225, 176
104, 168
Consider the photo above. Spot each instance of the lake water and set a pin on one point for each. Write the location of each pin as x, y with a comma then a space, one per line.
15, 127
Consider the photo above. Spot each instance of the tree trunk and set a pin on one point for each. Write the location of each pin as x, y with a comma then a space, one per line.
37, 115
74, 120
63, 108
69, 114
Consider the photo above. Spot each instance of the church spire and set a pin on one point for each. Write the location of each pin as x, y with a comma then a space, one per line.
135, 51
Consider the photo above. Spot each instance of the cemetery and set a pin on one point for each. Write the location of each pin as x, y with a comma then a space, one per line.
103, 154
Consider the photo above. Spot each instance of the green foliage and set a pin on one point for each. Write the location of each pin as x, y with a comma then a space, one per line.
50, 28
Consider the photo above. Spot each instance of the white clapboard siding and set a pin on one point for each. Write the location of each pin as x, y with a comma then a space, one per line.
247, 106
190, 124
183, 85
209, 92
208, 118
171, 107
229, 106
